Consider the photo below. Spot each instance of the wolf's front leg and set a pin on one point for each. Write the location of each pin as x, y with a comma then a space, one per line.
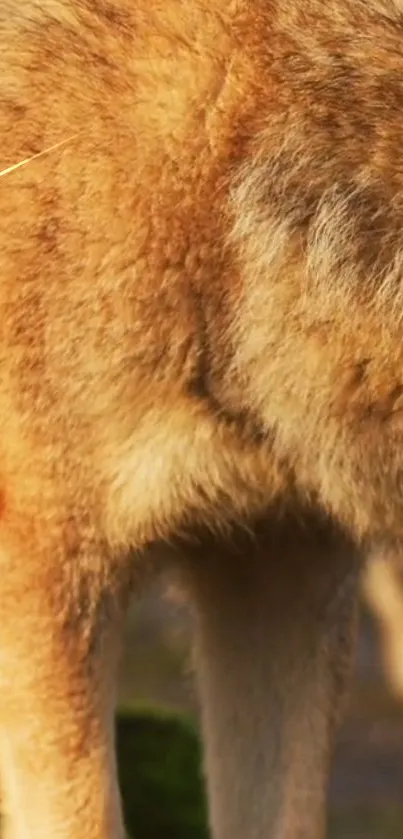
275, 628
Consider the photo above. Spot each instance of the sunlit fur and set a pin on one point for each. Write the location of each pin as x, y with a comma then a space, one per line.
201, 302
383, 592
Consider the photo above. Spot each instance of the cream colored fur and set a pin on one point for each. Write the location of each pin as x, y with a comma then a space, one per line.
383, 592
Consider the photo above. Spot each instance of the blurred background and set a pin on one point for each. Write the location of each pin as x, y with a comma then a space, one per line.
159, 752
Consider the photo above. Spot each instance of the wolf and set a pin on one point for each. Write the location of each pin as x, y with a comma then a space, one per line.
201, 323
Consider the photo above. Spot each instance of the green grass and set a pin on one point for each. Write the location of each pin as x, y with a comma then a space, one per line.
159, 759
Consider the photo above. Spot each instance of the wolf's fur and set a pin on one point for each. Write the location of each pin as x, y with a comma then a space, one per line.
201, 304
383, 593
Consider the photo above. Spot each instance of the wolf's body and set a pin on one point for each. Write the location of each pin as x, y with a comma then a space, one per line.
201, 316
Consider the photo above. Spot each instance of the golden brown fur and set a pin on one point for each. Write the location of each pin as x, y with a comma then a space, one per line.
201, 208
383, 592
